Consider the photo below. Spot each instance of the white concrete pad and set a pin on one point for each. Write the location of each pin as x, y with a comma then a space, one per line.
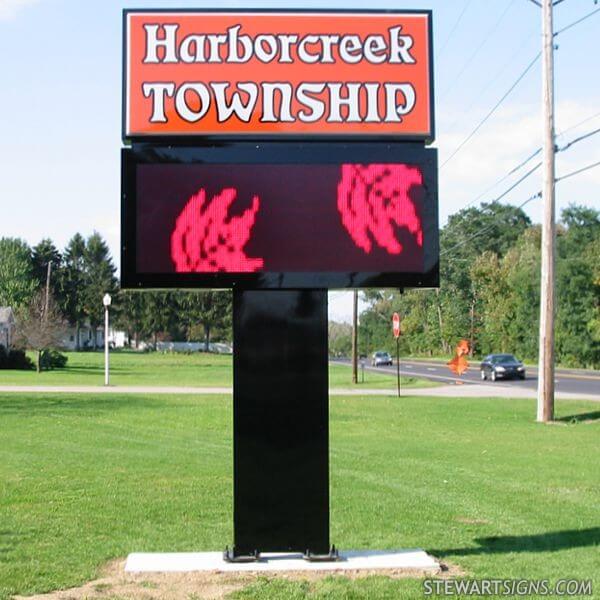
180, 562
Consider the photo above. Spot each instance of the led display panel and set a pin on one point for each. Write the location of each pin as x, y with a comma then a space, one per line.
257, 216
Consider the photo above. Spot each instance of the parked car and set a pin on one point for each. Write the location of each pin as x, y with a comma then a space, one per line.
501, 366
381, 358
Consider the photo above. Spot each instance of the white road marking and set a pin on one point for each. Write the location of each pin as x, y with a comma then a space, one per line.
431, 369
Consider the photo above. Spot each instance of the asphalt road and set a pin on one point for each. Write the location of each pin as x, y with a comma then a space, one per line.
573, 381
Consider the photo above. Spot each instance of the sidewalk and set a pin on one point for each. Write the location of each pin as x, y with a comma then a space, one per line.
446, 391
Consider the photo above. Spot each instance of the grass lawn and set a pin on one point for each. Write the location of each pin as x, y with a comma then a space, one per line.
85, 479
155, 368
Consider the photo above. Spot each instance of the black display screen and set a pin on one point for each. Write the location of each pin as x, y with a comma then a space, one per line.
271, 215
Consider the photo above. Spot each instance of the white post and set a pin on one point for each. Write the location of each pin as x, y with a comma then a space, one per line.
106, 301
545, 395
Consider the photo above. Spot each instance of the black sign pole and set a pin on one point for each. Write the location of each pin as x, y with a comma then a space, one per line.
280, 424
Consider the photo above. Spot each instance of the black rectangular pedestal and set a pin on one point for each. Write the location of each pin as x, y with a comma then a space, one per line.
281, 428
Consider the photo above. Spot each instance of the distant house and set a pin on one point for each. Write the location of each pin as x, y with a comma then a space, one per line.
7, 326
86, 337
116, 339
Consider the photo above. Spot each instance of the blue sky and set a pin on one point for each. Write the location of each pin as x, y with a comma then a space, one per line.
60, 107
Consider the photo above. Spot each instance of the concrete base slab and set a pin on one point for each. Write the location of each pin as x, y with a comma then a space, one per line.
180, 562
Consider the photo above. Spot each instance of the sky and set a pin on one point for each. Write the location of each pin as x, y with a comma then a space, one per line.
60, 108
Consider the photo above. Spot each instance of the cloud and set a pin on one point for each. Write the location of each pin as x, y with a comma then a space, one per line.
10, 8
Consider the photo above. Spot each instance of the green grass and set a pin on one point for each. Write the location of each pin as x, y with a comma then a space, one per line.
170, 369
85, 479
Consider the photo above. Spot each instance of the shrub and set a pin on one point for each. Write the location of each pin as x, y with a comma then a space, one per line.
52, 359
14, 359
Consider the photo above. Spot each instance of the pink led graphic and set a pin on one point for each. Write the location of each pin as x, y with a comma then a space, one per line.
373, 200
206, 239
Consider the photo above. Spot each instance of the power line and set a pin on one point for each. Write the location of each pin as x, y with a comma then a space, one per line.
485, 39
585, 17
514, 85
482, 122
536, 2
523, 163
492, 80
573, 173
486, 229
580, 123
511, 188
533, 197
454, 27
579, 139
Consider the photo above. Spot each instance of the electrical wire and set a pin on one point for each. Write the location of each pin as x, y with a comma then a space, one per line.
523, 163
579, 139
486, 229
533, 197
491, 81
577, 172
584, 18
579, 124
485, 39
514, 85
491, 112
454, 27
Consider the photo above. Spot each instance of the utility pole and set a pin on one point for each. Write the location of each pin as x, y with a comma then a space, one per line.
545, 396
355, 338
47, 299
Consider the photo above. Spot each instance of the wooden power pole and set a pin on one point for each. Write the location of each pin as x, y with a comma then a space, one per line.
355, 338
545, 396
47, 298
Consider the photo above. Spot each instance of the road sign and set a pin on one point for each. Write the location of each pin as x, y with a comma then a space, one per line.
277, 73
396, 325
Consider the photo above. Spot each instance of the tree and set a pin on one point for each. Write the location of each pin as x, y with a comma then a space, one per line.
43, 254
99, 279
578, 288
494, 227
71, 281
17, 284
211, 310
340, 338
40, 325
159, 311
130, 309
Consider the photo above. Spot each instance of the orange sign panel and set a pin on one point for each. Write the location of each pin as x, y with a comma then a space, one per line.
193, 73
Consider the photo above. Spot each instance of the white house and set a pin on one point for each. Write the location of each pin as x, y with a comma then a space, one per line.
86, 337
7, 326
116, 339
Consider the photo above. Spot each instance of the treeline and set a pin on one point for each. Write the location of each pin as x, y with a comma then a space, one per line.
489, 293
77, 279
490, 290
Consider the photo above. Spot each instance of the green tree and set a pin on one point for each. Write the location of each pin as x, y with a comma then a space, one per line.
210, 310
71, 281
17, 283
99, 279
158, 313
340, 339
578, 292
130, 310
43, 254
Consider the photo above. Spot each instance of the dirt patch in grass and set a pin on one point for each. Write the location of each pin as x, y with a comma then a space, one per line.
471, 521
116, 584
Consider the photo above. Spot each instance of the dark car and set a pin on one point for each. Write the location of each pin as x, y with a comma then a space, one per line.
501, 366
381, 358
